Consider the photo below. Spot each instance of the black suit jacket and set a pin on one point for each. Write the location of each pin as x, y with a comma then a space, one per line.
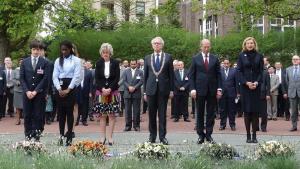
283, 85
205, 82
165, 79
114, 75
2, 82
87, 83
34, 80
231, 83
265, 85
181, 83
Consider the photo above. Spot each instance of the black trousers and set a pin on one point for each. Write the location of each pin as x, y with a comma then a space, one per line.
172, 107
65, 107
132, 111
157, 105
193, 106
227, 110
9, 97
209, 102
263, 114
34, 112
283, 105
181, 106
83, 108
145, 106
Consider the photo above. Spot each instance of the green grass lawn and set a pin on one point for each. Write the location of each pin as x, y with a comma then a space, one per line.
60, 159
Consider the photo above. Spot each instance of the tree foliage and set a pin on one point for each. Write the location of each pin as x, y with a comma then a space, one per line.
19, 21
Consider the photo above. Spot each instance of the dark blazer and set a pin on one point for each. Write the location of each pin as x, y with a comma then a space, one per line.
87, 83
283, 85
165, 79
136, 82
34, 80
231, 84
2, 82
181, 83
50, 73
205, 82
250, 69
114, 75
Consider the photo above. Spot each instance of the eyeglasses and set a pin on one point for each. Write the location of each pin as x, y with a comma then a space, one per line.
156, 43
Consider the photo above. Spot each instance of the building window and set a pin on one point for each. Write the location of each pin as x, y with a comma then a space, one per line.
216, 31
209, 26
288, 24
276, 24
200, 26
258, 24
109, 6
140, 8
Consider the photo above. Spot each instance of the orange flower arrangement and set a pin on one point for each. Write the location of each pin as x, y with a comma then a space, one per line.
88, 148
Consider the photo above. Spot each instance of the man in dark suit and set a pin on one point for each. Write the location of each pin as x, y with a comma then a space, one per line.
265, 95
85, 94
282, 103
2, 92
133, 80
158, 87
181, 93
34, 76
230, 92
206, 87
9, 97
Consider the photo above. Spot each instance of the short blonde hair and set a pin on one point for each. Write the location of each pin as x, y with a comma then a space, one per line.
106, 46
247, 39
158, 38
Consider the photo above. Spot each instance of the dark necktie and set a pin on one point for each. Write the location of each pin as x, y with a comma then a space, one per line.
226, 73
34, 63
157, 64
206, 62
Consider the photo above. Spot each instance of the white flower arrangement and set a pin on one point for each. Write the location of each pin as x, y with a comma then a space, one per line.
219, 151
30, 147
149, 150
274, 149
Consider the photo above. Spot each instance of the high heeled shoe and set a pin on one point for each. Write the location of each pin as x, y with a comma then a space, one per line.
110, 143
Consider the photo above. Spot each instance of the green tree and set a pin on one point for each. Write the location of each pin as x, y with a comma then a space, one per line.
19, 21
169, 12
75, 15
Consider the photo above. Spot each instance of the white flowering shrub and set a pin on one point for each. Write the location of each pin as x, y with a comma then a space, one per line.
30, 147
274, 149
219, 151
149, 150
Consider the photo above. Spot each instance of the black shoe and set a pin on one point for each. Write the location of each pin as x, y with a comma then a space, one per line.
293, 129
233, 128
275, 119
200, 140
121, 114
127, 129
222, 128
187, 120
263, 130
193, 115
210, 139
254, 140
164, 141
60, 141
248, 139
92, 118
77, 123
137, 128
84, 123
151, 140
176, 120
48, 122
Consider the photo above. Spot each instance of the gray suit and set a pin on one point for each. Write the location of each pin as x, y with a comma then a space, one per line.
272, 103
121, 89
293, 86
132, 100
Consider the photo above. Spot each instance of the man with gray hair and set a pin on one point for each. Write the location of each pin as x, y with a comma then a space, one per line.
158, 87
206, 87
292, 89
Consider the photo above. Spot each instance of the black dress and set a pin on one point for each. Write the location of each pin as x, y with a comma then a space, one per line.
250, 69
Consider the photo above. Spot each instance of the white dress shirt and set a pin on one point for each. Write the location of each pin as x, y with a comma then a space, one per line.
106, 69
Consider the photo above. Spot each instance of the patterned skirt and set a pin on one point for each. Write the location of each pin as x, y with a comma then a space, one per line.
106, 105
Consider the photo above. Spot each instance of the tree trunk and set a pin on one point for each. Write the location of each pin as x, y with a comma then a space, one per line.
4, 45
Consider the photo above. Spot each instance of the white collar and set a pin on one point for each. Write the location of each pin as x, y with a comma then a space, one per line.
203, 54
